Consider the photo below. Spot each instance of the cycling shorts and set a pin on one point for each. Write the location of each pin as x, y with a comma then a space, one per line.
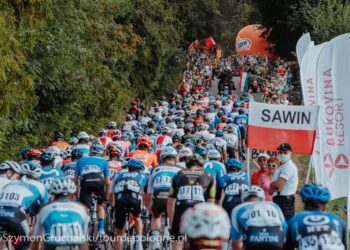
230, 202
275, 233
92, 184
180, 208
125, 203
231, 152
158, 207
243, 132
13, 222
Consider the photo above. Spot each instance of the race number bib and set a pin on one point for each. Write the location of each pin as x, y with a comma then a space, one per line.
67, 232
130, 185
162, 181
195, 193
232, 189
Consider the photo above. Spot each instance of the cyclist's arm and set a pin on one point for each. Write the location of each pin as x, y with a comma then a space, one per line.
237, 245
171, 202
212, 191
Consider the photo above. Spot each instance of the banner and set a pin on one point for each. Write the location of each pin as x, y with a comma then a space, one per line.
333, 76
271, 125
303, 44
308, 78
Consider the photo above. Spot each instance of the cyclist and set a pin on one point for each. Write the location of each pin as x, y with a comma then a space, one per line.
59, 141
158, 190
21, 199
163, 140
69, 168
48, 172
103, 139
24, 152
114, 163
242, 120
187, 189
144, 145
94, 176
315, 228
73, 141
83, 142
63, 222
232, 141
261, 223
128, 189
206, 225
232, 184
220, 144
9, 170
111, 126
184, 154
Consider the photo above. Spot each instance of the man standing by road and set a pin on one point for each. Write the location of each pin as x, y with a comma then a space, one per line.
285, 182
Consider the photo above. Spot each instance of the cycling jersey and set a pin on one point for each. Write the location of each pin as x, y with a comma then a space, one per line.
69, 169
161, 179
104, 140
161, 142
261, 224
231, 140
316, 230
3, 182
92, 165
26, 194
114, 166
129, 182
148, 159
49, 174
241, 120
63, 223
219, 143
232, 184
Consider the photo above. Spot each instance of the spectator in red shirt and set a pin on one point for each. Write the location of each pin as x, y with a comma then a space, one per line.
262, 162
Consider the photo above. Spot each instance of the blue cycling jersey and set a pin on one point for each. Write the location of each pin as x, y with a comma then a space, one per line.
49, 174
260, 224
129, 182
316, 230
216, 169
233, 183
161, 178
92, 165
69, 169
63, 223
241, 120
26, 193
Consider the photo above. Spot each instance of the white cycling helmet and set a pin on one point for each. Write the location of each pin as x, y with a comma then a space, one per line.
214, 154
83, 135
168, 152
185, 152
64, 186
112, 124
208, 221
31, 168
12, 165
54, 150
253, 191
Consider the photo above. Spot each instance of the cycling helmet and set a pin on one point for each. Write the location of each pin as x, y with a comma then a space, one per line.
33, 152
233, 164
76, 153
46, 158
58, 135
176, 138
167, 130
200, 151
102, 132
114, 150
67, 154
136, 164
6, 165
63, 186
214, 154
53, 150
185, 152
168, 151
207, 222
315, 191
73, 140
83, 136
253, 191
150, 131
144, 141
31, 168
24, 152
219, 133
194, 160
112, 125
96, 150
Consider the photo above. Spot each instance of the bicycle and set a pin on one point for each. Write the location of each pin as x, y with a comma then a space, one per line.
166, 234
93, 230
129, 243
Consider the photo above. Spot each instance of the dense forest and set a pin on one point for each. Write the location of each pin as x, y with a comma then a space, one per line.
73, 65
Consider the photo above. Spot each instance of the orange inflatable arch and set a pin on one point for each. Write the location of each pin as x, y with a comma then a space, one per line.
249, 41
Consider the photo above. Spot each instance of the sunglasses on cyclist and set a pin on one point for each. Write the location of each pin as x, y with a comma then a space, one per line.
270, 165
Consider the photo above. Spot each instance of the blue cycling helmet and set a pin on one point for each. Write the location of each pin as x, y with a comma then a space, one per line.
233, 164
96, 149
199, 150
136, 164
24, 152
46, 158
315, 191
77, 153
219, 133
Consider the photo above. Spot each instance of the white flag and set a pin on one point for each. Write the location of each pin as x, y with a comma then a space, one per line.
303, 44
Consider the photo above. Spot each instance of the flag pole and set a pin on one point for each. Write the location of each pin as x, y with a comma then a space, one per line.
309, 171
248, 162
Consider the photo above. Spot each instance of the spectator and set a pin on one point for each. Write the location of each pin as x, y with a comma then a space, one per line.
265, 179
262, 163
285, 182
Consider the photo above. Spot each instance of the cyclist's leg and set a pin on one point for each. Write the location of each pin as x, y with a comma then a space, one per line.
177, 243
120, 217
158, 208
